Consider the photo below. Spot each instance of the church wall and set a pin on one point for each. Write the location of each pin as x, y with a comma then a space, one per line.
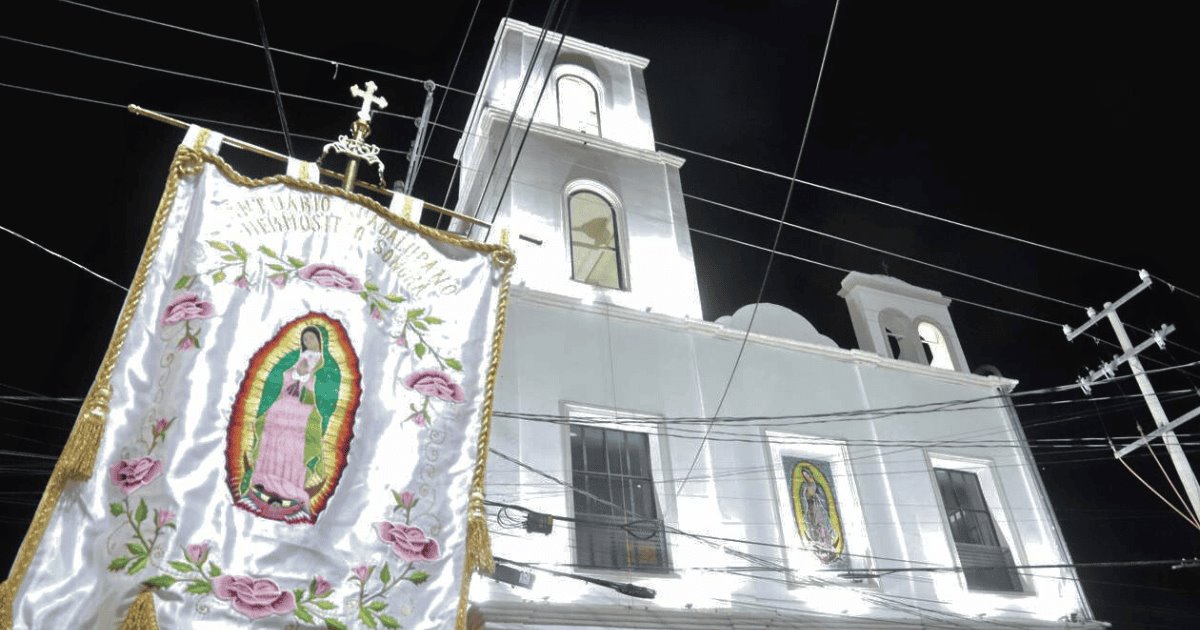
559, 351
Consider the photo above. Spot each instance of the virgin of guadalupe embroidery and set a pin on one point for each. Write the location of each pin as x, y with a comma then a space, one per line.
815, 510
293, 420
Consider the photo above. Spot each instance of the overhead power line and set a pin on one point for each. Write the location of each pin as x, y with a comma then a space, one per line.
233, 40
762, 287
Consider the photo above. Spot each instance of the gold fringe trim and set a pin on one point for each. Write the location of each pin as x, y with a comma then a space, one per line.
79, 453
141, 615
6, 601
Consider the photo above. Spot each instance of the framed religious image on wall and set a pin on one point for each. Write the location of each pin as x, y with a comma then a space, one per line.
819, 515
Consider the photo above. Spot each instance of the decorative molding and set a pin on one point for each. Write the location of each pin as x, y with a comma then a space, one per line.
573, 44
492, 115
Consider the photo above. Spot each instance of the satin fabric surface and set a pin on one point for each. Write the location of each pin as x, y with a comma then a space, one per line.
217, 418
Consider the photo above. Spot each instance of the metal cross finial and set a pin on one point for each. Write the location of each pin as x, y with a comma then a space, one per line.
369, 99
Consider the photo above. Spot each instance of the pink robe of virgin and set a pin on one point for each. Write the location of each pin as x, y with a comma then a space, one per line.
280, 467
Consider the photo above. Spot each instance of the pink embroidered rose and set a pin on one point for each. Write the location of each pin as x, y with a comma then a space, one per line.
160, 427
186, 306
330, 276
186, 343
407, 499
435, 383
163, 517
361, 572
279, 280
420, 419
131, 474
408, 542
254, 597
376, 314
322, 586
197, 554
402, 341
241, 283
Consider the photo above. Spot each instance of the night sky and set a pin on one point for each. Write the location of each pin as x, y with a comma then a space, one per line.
1065, 123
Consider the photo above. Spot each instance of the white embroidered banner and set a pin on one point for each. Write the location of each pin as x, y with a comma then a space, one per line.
289, 428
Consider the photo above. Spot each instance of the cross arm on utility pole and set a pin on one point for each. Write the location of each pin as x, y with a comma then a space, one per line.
1146, 439
1095, 317
1109, 368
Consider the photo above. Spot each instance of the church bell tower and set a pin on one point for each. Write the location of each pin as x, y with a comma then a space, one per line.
587, 182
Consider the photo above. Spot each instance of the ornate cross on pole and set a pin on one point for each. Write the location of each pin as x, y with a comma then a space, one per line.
356, 148
368, 98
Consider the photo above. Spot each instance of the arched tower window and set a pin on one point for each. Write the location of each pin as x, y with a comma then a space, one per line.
578, 105
595, 247
937, 352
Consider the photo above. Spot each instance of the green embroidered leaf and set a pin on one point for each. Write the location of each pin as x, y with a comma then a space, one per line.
276, 267
416, 312
388, 622
118, 563
182, 567
371, 286
385, 575
136, 549
138, 565
419, 349
394, 298
299, 594
303, 615
312, 586
367, 618
219, 276
231, 257
268, 251
454, 364
199, 588
241, 251
418, 577
433, 320
324, 605
376, 606
296, 262
334, 624
182, 282
139, 515
116, 508
161, 581
420, 325
219, 246
213, 569
396, 496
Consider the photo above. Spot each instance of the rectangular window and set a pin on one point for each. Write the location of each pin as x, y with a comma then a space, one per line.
618, 522
981, 551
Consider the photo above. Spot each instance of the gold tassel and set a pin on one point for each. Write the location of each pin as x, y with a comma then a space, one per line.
141, 614
479, 541
79, 455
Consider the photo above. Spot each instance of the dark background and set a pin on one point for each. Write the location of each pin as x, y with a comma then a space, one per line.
1066, 123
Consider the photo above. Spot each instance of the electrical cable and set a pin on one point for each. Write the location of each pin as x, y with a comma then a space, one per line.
266, 46
812, 106
192, 31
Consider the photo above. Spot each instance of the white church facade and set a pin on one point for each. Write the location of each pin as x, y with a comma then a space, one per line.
828, 467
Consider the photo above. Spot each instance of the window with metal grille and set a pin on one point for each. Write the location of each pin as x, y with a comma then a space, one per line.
981, 552
618, 523
595, 249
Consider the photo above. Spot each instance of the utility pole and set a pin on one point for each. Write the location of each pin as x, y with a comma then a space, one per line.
1166, 428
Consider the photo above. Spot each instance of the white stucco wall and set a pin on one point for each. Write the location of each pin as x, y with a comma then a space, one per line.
560, 351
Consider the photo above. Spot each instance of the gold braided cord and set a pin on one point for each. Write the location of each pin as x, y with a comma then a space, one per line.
479, 546
141, 615
77, 461
79, 455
